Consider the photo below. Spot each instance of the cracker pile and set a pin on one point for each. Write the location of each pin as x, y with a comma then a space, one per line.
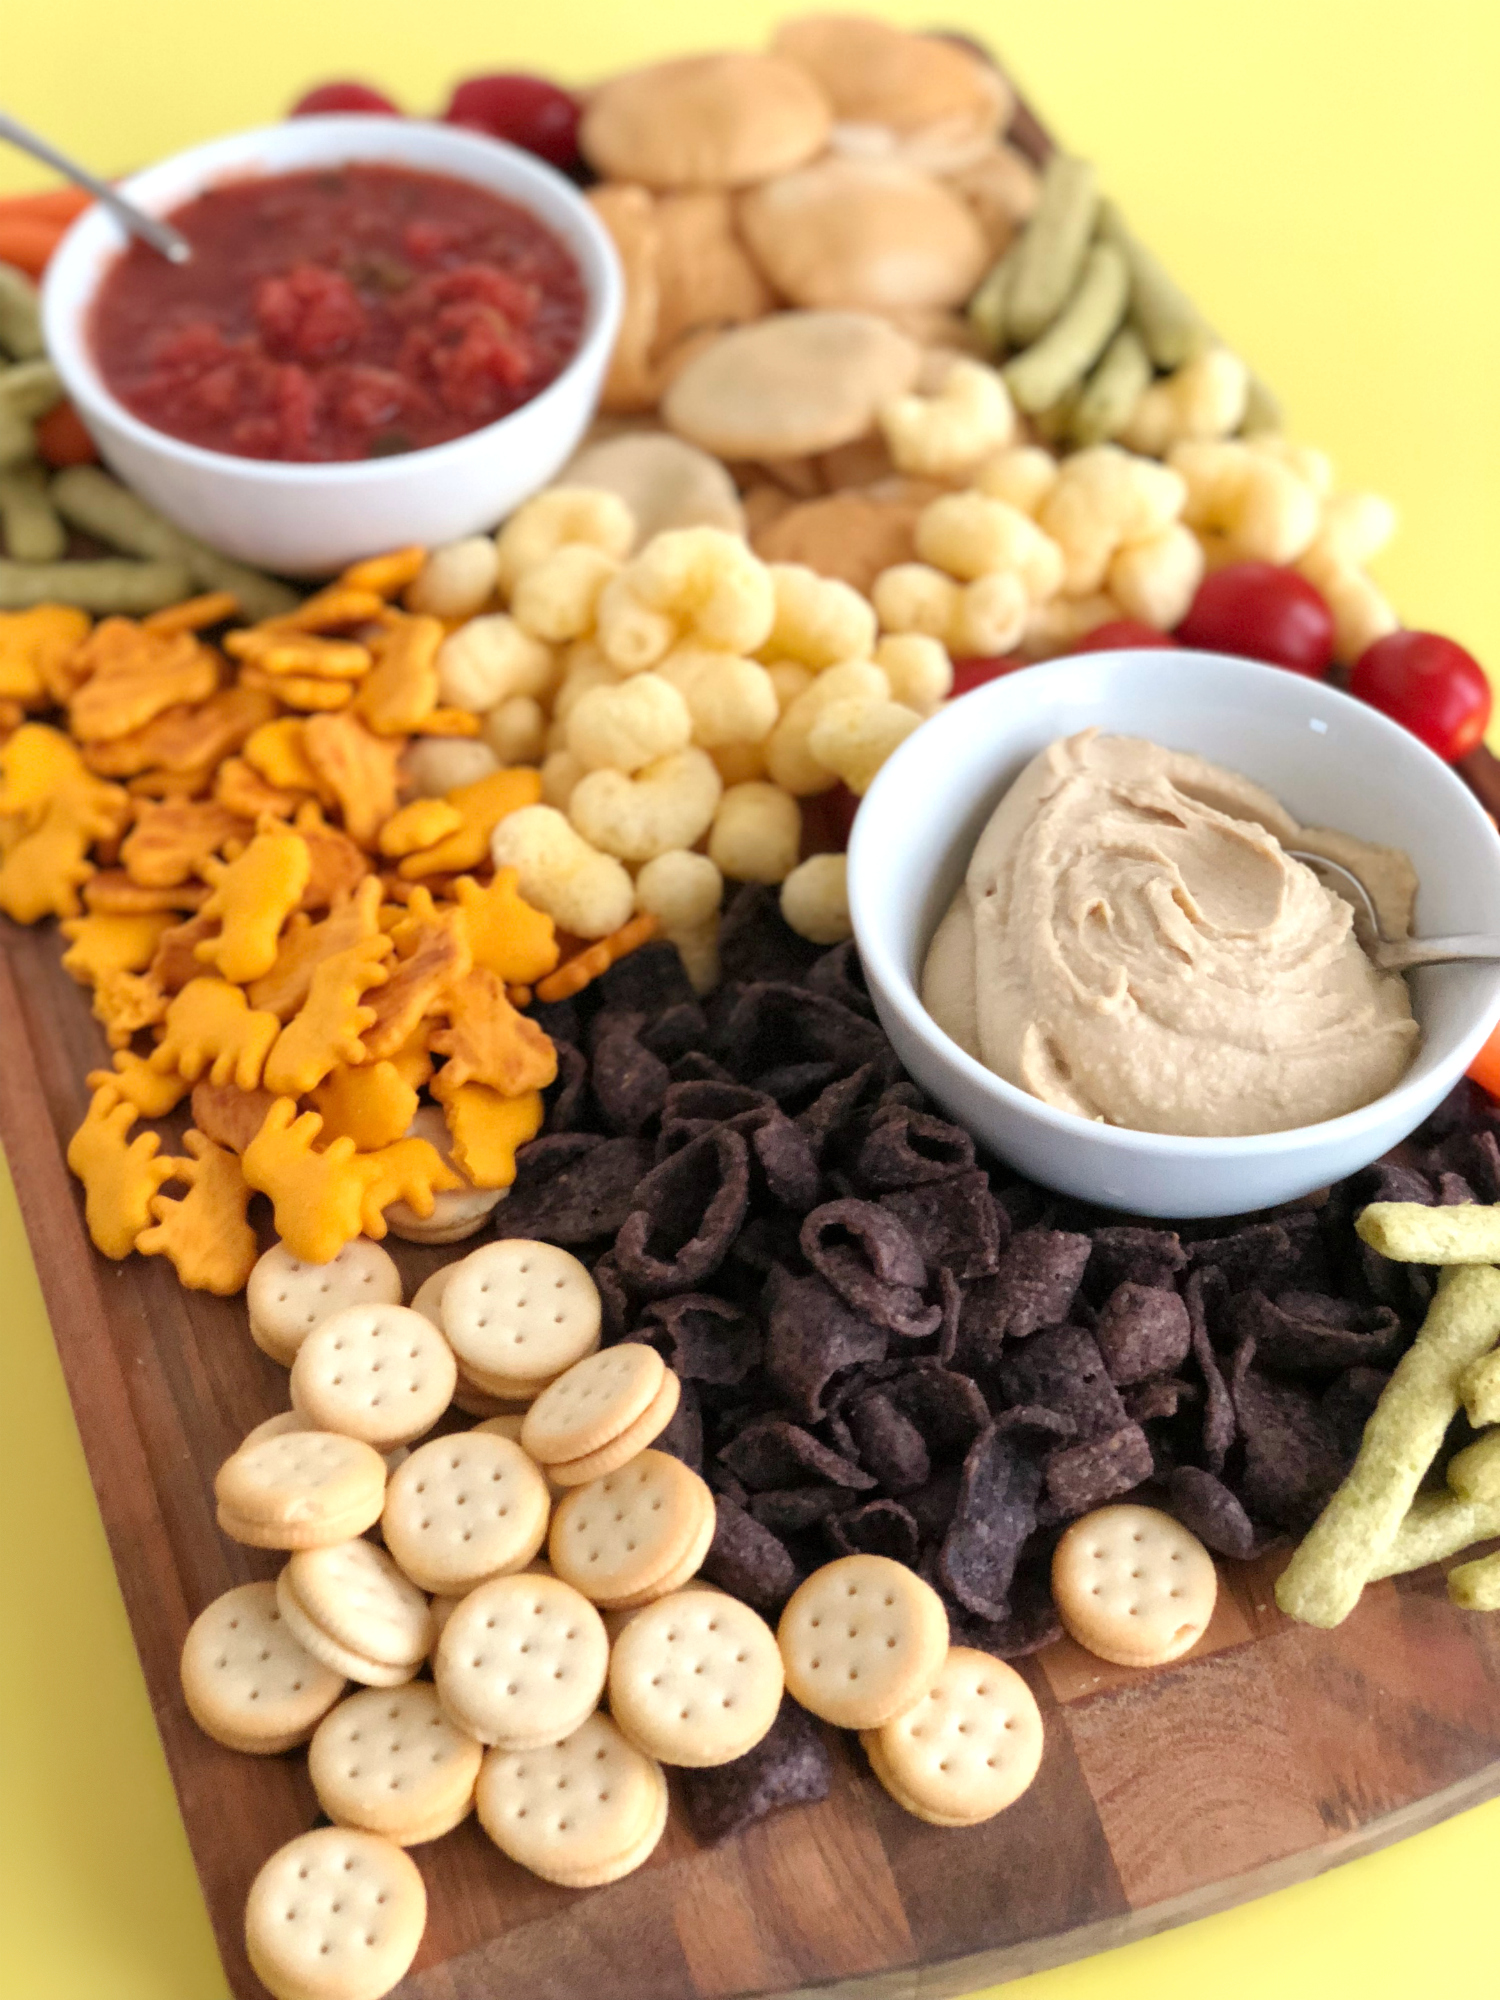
523, 1648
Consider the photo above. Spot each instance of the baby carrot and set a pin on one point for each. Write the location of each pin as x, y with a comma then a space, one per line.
47, 205
1485, 1068
27, 241
61, 438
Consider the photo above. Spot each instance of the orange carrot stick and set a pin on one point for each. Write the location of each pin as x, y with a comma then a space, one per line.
60, 205
61, 438
27, 241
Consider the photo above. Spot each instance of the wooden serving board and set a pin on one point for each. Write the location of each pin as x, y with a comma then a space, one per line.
1270, 1754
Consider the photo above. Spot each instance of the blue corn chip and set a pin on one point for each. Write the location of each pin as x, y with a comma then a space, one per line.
756, 942
879, 1528
954, 1223
1349, 1402
812, 1341
1293, 1458
1206, 1508
791, 1510
677, 1031
839, 975
870, 1260
573, 1188
1035, 1286
705, 1339
648, 980
683, 1437
908, 1148
747, 1560
772, 1452
996, 1512
773, 1028
567, 1099
1307, 1332
1063, 1370
685, 1216
790, 1766
1142, 1331
889, 1444
1124, 1253
1081, 1477
947, 1407
784, 1154
1206, 1289
630, 1083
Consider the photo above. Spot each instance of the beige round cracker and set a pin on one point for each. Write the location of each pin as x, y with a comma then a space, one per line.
477, 1402
390, 1762
1133, 1586
341, 1659
629, 214
710, 121
247, 1682
456, 1212
633, 1857
381, 1373
519, 1311
791, 384
463, 1509
862, 1640
705, 276
355, 1592
695, 1679
574, 1808
427, 1299
275, 1427
303, 1484
682, 1572
634, 1439
442, 1609
665, 482
874, 73
287, 1297
522, 1661
869, 234
335, 1915
967, 1749
849, 536
623, 1535
593, 1402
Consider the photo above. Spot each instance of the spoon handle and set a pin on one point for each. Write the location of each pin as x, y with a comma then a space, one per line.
172, 244
1435, 951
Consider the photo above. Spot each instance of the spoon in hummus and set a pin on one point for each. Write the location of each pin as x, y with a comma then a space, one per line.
1391, 956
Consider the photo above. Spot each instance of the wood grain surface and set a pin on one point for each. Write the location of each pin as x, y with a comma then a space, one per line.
1269, 1754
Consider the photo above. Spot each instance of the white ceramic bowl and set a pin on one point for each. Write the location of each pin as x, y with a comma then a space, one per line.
307, 520
1331, 760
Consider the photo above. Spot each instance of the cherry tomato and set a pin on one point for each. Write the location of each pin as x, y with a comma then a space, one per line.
1485, 1068
526, 110
344, 97
1262, 613
1430, 684
1121, 635
971, 674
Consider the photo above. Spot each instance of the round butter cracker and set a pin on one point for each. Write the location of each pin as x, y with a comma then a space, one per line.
287, 1297
580, 1812
390, 1762
335, 1915
517, 1313
592, 1403
695, 1678
709, 121
300, 1490
967, 1749
355, 1594
521, 1662
1132, 1586
863, 1639
378, 1372
626, 1537
463, 1509
247, 1681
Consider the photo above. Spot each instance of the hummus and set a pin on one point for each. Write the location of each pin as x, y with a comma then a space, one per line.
1132, 943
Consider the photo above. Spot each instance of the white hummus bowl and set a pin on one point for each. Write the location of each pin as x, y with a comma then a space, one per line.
1332, 762
308, 520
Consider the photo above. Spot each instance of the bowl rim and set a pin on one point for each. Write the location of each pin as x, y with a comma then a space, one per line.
67, 299
899, 990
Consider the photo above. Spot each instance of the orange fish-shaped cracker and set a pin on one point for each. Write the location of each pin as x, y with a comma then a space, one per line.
119, 1174
211, 1245
326, 1029
318, 1197
486, 1129
488, 1042
211, 1026
252, 897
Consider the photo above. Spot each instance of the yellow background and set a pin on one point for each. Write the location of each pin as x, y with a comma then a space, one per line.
1324, 176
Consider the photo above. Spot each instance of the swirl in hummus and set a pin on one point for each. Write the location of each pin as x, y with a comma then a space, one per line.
1131, 943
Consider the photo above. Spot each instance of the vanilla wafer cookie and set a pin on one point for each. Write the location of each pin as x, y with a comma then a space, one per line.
521, 1662
380, 1372
519, 1313
300, 1490
580, 1812
287, 1297
247, 1682
695, 1678
390, 1762
593, 1403
863, 1639
463, 1509
335, 1915
351, 1606
967, 1749
621, 1537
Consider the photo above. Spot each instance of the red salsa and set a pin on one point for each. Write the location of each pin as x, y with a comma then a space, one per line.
346, 313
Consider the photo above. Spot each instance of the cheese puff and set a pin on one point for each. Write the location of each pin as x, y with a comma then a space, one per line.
1361, 612
1205, 398
729, 699
1261, 508
789, 762
559, 873
1103, 498
433, 766
1355, 528
789, 680
632, 635
819, 620
941, 436
918, 669
989, 617
700, 581
629, 724
561, 771
739, 763
489, 659
515, 730
854, 738
584, 669
456, 581
757, 833
557, 599
1055, 627
969, 535
1022, 477
668, 803
681, 889
915, 597
815, 899
1155, 580
556, 517
1313, 467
